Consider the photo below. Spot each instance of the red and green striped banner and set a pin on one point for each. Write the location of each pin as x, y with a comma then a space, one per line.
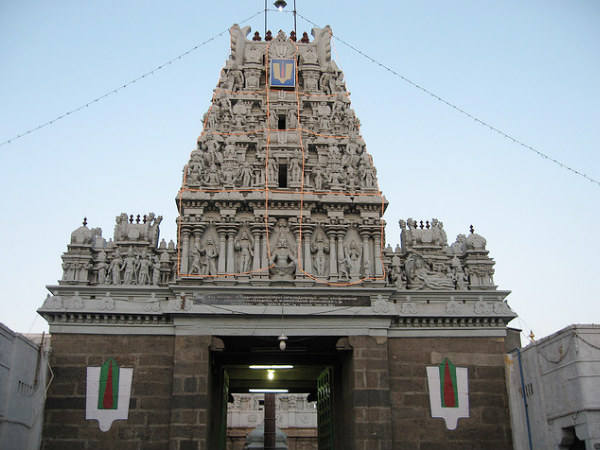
448, 387
108, 394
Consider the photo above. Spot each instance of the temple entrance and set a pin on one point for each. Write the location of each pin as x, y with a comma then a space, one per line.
306, 377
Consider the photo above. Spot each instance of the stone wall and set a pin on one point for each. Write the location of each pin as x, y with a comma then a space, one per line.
148, 425
488, 425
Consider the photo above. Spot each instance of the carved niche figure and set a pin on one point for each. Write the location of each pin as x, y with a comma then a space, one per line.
283, 261
210, 253
102, 267
353, 258
144, 265
318, 177
129, 266
243, 246
419, 277
196, 263
296, 169
156, 271
245, 175
114, 269
320, 249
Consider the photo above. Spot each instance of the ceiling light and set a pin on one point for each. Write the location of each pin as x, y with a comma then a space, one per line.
270, 374
268, 391
274, 367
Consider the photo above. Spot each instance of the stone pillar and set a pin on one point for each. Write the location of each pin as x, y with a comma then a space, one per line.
265, 252
377, 251
222, 250
365, 233
190, 400
297, 249
230, 252
256, 257
185, 248
333, 266
340, 249
306, 238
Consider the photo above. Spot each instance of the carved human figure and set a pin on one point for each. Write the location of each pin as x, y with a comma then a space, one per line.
144, 265
235, 80
212, 176
102, 267
318, 177
352, 254
245, 175
419, 277
243, 246
295, 169
272, 171
129, 266
283, 261
114, 269
156, 271
320, 249
211, 253
196, 264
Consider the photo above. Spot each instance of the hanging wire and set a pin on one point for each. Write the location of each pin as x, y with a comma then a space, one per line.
460, 110
129, 83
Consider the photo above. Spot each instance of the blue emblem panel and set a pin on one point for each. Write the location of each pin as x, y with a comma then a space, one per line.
283, 73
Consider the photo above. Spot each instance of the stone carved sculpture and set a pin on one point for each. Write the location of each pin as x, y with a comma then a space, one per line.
320, 250
283, 261
243, 246
420, 277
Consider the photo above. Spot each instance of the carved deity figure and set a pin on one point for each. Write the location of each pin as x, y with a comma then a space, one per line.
144, 265
243, 246
102, 267
211, 253
320, 249
318, 177
352, 255
283, 261
156, 271
419, 277
114, 269
129, 266
295, 169
245, 175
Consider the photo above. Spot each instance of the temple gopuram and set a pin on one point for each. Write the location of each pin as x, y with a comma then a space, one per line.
280, 280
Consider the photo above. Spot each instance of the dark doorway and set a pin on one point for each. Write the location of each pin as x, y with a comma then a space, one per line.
315, 360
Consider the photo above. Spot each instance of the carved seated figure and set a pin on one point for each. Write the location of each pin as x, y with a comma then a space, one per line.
419, 277
283, 262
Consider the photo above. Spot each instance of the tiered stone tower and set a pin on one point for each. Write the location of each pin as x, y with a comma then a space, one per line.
280, 187
280, 234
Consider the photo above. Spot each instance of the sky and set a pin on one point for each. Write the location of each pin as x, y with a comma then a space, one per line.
530, 69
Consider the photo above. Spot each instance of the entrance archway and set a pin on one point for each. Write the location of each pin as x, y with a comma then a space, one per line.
316, 369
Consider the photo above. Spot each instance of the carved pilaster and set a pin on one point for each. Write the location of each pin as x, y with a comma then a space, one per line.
307, 231
230, 267
333, 255
222, 249
256, 259
365, 234
377, 251
185, 251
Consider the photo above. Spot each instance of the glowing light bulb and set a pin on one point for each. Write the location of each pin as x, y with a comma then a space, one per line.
270, 374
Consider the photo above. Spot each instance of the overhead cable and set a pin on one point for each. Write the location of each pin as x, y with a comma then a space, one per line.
120, 88
457, 108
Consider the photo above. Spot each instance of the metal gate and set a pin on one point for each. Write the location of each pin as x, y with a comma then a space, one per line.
325, 409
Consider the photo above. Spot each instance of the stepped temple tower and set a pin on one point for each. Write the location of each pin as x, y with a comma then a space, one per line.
280, 260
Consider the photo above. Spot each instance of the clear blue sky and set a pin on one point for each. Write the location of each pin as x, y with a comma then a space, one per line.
531, 69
